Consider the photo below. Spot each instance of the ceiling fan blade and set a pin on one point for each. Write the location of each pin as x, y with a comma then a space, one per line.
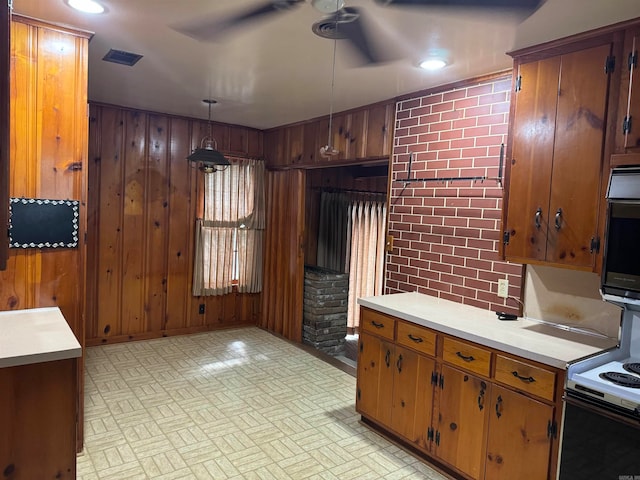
358, 32
210, 28
530, 4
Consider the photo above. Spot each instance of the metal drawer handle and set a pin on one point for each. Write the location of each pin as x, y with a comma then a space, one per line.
499, 406
415, 339
399, 364
377, 325
387, 358
465, 358
524, 379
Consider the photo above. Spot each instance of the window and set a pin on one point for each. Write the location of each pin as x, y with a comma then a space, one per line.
229, 236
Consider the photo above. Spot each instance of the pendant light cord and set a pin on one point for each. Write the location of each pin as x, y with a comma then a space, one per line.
333, 76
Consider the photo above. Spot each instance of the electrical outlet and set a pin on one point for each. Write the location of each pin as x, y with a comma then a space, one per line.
201, 309
503, 288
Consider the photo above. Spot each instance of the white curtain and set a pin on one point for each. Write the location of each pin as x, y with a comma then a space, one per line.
367, 228
229, 236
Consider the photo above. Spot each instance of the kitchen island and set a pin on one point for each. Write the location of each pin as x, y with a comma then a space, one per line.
475, 395
38, 389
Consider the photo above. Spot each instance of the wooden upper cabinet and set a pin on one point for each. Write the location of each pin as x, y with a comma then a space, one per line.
558, 138
379, 130
628, 121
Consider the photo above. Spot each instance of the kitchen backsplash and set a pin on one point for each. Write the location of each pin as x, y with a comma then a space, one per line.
570, 298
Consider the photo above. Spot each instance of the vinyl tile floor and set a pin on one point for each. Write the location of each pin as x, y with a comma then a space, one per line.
231, 404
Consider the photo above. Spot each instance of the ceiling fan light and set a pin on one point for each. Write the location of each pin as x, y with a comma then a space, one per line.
433, 64
86, 6
327, 6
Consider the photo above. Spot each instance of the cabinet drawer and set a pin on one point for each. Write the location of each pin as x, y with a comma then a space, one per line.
469, 357
377, 323
416, 337
523, 376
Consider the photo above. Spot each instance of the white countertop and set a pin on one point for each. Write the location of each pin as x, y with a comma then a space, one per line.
526, 338
35, 335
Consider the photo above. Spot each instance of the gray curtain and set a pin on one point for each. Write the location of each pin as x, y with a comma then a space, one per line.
333, 230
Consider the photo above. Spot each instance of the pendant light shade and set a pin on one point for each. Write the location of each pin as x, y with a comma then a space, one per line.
208, 156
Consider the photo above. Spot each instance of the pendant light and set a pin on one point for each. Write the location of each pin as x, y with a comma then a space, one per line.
329, 150
208, 156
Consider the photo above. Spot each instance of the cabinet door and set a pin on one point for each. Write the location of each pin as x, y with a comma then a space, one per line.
369, 369
462, 420
518, 445
628, 124
412, 394
531, 159
577, 156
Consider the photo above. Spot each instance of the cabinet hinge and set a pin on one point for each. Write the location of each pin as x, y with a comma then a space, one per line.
361, 345
438, 438
610, 64
505, 237
518, 83
434, 378
430, 434
441, 381
626, 124
359, 394
552, 429
633, 59
595, 245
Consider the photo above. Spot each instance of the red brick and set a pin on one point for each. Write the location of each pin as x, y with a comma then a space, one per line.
428, 256
477, 284
441, 267
492, 120
451, 240
420, 263
476, 303
450, 297
431, 99
407, 252
442, 249
491, 255
503, 85
440, 286
464, 292
464, 143
461, 163
478, 111
409, 271
480, 90
451, 134
455, 153
437, 165
428, 137
439, 126
477, 132
509, 268
455, 222
453, 260
468, 232
466, 103
411, 237
475, 191
439, 230
433, 146
474, 152
452, 279
497, 97
442, 107
484, 203
407, 104
465, 123
428, 119
417, 130
489, 276
481, 244
499, 129
408, 140
458, 202
452, 115
420, 111
500, 108
482, 223
467, 252
494, 235
477, 264
403, 114
489, 140
408, 122
454, 94
470, 212
466, 272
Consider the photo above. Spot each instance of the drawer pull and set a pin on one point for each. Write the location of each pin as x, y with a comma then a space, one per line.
499, 406
387, 358
399, 364
465, 358
376, 324
415, 339
524, 379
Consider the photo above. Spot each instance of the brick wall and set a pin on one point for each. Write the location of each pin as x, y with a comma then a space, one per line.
446, 234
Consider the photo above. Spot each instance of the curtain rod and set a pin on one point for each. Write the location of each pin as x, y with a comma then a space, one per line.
340, 190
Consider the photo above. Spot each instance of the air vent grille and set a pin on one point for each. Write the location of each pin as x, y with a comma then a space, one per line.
122, 57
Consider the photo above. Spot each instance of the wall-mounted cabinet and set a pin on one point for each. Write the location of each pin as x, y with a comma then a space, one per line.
558, 140
481, 412
360, 134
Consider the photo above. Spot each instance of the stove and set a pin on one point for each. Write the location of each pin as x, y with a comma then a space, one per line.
612, 378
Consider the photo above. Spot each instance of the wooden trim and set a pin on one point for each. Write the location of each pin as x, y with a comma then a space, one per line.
5, 62
57, 27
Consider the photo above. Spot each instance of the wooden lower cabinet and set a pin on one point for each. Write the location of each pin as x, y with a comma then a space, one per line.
519, 441
462, 420
481, 412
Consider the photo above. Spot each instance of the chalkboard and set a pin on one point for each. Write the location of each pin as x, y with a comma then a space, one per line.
39, 223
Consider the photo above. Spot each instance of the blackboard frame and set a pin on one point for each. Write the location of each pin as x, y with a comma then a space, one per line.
42, 223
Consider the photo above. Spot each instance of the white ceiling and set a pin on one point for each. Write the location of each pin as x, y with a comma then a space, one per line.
277, 71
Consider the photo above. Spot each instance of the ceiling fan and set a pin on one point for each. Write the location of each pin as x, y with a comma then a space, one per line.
343, 22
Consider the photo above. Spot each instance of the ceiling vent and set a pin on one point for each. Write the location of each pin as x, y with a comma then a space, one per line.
122, 57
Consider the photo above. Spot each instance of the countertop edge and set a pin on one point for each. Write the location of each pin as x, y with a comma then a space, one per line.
53, 356
465, 335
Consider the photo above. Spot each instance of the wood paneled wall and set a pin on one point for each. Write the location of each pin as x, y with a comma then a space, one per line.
5, 61
143, 199
283, 280
48, 145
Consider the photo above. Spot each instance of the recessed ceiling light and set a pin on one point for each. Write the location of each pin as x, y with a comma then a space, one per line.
86, 6
433, 64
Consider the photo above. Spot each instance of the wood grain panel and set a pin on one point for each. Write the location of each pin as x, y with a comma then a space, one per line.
181, 215
284, 259
5, 62
143, 208
156, 222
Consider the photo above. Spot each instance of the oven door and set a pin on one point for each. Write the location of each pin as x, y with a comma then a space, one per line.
598, 443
